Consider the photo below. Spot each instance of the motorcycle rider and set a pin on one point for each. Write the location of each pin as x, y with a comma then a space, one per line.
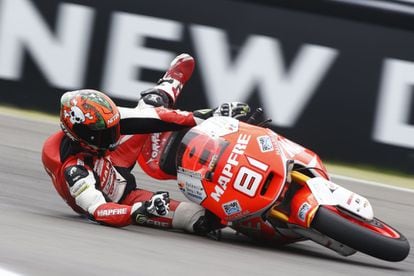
91, 158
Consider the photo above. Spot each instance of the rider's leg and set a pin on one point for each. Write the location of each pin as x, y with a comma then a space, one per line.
186, 216
169, 87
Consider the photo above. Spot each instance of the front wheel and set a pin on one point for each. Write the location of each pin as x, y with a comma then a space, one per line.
374, 237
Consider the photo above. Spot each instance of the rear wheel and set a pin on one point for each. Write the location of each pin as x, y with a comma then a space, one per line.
374, 238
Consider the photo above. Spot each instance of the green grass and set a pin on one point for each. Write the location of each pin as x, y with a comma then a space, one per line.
29, 114
364, 171
370, 173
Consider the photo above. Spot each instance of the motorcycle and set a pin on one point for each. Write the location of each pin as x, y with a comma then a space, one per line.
267, 187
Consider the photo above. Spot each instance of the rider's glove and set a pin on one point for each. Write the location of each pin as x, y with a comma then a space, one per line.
236, 110
158, 205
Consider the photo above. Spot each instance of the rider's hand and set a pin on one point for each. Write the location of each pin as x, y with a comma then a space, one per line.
158, 205
236, 110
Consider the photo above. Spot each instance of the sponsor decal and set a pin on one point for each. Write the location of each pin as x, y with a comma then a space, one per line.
141, 219
265, 143
182, 170
155, 146
349, 201
232, 161
195, 190
79, 188
273, 138
213, 162
113, 119
112, 212
232, 207
156, 223
303, 211
191, 186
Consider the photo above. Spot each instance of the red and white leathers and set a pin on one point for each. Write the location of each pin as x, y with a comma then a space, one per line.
102, 187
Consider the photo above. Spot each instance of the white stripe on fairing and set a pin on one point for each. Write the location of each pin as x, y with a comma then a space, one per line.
372, 183
257, 164
4, 272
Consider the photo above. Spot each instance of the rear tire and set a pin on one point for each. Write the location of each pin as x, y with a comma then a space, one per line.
360, 238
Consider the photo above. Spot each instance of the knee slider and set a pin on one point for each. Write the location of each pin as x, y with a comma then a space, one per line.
155, 97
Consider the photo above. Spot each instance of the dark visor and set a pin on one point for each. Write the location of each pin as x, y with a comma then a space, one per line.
101, 139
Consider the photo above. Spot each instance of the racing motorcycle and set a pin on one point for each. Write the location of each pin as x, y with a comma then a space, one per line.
268, 187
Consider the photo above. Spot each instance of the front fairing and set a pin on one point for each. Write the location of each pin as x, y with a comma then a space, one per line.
231, 168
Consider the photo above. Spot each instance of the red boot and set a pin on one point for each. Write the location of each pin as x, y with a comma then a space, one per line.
180, 71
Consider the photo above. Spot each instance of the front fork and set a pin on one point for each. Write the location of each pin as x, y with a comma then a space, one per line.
297, 209
298, 205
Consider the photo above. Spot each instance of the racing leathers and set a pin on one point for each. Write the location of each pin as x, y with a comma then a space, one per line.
102, 187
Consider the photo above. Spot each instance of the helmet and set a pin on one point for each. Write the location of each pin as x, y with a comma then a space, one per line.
90, 118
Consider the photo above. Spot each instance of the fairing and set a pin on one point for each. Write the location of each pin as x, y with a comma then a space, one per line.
231, 168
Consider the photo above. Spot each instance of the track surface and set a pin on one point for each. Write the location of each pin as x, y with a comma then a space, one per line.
40, 235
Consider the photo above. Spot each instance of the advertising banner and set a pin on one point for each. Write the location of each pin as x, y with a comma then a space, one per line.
340, 87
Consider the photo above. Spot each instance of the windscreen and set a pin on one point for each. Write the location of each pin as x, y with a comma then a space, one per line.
199, 152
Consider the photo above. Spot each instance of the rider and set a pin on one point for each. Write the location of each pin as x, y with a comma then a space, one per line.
91, 158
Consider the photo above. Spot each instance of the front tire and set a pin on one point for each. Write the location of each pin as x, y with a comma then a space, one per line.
374, 238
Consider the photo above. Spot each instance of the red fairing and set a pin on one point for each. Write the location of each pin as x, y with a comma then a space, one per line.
113, 214
243, 168
178, 117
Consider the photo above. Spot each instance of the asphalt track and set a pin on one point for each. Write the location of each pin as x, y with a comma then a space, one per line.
40, 235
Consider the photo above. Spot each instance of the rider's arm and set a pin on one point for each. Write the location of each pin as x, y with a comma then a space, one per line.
153, 114
82, 187
151, 119
81, 182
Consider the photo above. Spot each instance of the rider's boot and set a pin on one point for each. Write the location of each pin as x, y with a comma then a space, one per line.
195, 219
170, 85
208, 225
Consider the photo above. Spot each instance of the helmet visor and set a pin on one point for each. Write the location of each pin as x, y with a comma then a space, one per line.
99, 139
